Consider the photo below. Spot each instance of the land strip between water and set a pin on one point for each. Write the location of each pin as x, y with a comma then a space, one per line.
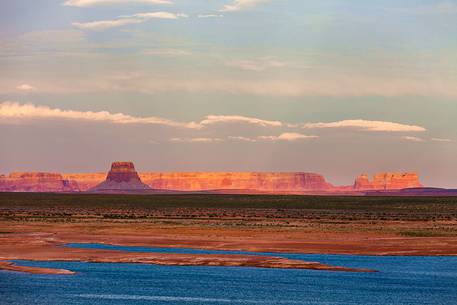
37, 226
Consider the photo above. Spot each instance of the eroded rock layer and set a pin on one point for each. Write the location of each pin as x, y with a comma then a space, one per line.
266, 182
37, 182
123, 176
387, 181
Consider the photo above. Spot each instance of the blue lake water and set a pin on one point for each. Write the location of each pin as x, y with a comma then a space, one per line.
400, 280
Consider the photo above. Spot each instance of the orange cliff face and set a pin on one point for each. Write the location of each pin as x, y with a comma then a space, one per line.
387, 181
206, 181
37, 182
243, 182
86, 181
264, 182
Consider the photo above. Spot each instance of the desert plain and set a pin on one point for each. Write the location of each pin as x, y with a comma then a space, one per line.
37, 226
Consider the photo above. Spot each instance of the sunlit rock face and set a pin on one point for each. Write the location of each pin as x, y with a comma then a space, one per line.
265, 182
121, 178
37, 182
387, 181
86, 181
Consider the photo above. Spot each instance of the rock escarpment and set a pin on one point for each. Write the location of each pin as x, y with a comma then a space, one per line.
387, 181
121, 178
247, 181
37, 182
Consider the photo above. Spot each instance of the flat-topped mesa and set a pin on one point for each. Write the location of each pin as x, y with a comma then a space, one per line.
37, 182
241, 181
122, 172
121, 178
387, 181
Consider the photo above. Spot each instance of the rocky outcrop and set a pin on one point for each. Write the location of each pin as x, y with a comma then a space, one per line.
121, 178
263, 182
387, 181
37, 182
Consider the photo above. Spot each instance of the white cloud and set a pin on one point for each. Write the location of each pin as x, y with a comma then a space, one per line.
25, 87
160, 15
196, 140
238, 5
368, 126
442, 140
125, 20
16, 111
210, 16
88, 3
288, 136
244, 139
412, 139
105, 24
167, 52
216, 119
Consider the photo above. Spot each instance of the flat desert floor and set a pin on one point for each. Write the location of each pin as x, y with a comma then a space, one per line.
36, 226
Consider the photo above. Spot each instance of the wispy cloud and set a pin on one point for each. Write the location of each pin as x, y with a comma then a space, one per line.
368, 126
160, 15
413, 139
442, 140
216, 119
16, 111
238, 5
210, 16
243, 139
105, 24
288, 136
196, 140
25, 87
88, 3
125, 20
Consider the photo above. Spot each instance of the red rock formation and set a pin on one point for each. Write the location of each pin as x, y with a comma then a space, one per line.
121, 178
37, 182
86, 181
387, 181
264, 182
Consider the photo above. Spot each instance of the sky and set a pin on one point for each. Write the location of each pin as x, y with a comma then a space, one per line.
335, 87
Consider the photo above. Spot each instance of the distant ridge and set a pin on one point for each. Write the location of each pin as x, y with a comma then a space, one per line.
122, 178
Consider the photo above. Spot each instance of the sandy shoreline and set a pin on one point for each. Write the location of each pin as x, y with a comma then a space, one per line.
45, 242
48, 247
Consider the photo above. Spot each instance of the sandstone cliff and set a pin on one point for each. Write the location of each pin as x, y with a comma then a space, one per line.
264, 182
121, 178
37, 182
387, 181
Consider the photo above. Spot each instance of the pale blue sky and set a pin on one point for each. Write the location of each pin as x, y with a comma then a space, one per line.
354, 66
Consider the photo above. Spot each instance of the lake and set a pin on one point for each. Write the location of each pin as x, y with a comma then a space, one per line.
400, 280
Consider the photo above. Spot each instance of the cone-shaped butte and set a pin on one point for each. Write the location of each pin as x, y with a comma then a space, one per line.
121, 178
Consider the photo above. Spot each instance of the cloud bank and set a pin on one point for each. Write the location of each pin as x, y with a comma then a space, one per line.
368, 126
125, 20
16, 111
